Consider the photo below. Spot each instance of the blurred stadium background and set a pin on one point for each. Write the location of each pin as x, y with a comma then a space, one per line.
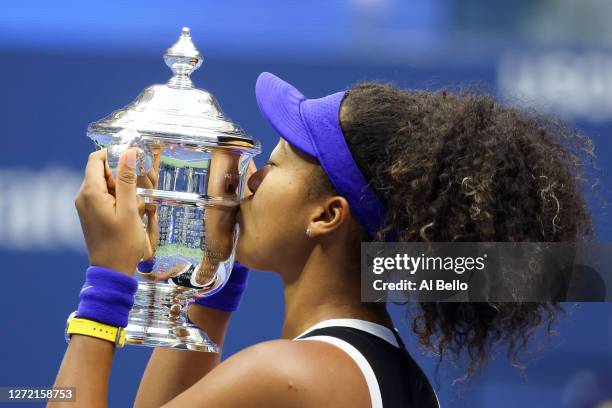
67, 63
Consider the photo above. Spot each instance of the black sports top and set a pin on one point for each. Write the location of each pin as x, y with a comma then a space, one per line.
394, 379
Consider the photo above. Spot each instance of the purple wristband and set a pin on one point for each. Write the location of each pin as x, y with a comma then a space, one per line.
228, 298
146, 266
107, 296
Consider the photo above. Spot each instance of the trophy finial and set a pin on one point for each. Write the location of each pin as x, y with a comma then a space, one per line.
183, 58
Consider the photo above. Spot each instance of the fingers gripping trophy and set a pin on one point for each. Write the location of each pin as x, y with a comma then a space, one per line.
191, 167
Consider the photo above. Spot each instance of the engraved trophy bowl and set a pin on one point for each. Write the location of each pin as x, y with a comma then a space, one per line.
191, 167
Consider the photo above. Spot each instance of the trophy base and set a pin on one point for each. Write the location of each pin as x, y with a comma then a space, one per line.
158, 319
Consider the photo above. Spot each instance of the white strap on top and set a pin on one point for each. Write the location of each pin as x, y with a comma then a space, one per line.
373, 328
363, 364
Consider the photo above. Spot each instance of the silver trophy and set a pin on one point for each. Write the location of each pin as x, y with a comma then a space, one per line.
191, 166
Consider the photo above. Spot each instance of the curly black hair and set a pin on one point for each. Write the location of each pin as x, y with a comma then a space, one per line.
459, 166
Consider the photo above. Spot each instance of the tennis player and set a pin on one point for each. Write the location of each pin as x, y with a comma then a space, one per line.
371, 163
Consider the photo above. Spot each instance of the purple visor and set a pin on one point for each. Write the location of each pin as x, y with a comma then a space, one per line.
313, 127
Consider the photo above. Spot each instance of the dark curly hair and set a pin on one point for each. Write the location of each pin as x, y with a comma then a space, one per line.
459, 166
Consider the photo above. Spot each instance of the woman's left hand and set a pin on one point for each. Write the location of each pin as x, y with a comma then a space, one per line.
113, 230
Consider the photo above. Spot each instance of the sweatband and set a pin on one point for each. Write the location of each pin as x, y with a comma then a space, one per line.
146, 266
313, 127
228, 298
107, 296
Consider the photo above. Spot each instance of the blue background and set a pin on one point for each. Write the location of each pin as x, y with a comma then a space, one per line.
65, 64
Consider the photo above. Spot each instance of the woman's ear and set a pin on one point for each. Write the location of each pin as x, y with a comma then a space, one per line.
328, 216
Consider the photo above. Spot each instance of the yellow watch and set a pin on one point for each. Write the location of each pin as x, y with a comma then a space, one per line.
77, 325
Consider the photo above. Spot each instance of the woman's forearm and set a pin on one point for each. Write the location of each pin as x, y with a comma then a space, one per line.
170, 372
86, 367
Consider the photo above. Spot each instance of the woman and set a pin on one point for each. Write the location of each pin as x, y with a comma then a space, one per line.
373, 163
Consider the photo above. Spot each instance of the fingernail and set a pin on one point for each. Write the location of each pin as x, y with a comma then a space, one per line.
130, 158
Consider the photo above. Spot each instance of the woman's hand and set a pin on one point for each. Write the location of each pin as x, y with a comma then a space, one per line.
113, 230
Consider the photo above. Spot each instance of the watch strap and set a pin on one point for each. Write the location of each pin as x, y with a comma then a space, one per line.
91, 328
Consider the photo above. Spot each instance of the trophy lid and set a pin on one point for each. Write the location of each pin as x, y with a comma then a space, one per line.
176, 112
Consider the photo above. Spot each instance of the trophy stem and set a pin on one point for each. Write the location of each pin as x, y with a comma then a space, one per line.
159, 319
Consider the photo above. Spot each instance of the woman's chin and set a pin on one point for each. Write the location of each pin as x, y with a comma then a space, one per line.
248, 256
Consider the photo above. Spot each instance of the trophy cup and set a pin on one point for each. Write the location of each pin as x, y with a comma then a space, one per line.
191, 167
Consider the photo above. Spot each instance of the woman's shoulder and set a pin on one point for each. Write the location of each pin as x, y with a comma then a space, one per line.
310, 363
287, 373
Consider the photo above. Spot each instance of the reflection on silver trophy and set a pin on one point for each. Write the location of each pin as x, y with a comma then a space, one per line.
191, 168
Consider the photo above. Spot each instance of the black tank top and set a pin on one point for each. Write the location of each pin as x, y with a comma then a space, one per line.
394, 379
